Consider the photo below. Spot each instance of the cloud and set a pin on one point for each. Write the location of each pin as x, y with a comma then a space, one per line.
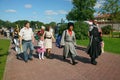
34, 12
28, 6
11, 11
69, 0
50, 12
62, 12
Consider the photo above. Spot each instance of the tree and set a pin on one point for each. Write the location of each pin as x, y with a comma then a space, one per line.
111, 7
20, 23
52, 24
82, 10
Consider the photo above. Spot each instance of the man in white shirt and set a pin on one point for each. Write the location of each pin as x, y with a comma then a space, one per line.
27, 40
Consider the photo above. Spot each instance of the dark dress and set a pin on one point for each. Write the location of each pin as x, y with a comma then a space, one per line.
94, 49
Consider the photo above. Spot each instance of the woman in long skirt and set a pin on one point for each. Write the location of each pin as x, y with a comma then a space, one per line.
94, 49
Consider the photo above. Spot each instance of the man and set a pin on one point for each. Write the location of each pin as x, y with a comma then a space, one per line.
68, 40
94, 48
27, 40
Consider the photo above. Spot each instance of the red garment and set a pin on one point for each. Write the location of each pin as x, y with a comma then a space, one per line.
70, 32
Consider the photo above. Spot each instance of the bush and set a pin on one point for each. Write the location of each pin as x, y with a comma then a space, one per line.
80, 28
106, 29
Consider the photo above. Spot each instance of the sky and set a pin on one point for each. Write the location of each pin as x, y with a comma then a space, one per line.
37, 10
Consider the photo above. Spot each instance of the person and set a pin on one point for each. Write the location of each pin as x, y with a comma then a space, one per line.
41, 48
40, 33
16, 41
27, 39
48, 35
68, 40
94, 48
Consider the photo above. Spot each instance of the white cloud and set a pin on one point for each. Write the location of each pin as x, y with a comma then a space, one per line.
50, 12
11, 10
69, 0
28, 6
34, 12
99, 4
62, 12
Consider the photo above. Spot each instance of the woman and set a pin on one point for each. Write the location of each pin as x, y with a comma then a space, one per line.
94, 49
16, 41
48, 41
68, 40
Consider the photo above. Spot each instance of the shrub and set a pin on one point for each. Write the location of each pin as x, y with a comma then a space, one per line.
106, 29
80, 28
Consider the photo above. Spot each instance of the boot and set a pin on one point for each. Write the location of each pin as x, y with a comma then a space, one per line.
18, 57
93, 61
73, 60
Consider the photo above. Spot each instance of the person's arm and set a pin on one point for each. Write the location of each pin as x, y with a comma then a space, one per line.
62, 43
53, 37
20, 37
32, 37
74, 39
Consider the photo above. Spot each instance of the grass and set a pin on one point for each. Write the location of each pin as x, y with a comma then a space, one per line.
4, 46
111, 44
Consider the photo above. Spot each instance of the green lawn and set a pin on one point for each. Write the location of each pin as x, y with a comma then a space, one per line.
4, 46
111, 44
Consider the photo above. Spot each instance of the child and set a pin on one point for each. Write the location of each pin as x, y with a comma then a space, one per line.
41, 48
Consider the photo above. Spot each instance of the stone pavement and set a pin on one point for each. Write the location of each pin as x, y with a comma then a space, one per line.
108, 67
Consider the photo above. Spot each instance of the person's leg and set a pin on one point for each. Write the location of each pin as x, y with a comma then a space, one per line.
93, 61
39, 55
73, 59
25, 47
42, 55
31, 50
48, 53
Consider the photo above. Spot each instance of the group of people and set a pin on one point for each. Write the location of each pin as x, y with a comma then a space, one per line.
25, 39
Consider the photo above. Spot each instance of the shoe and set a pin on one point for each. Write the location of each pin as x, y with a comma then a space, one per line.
94, 62
74, 63
26, 61
17, 56
31, 59
42, 58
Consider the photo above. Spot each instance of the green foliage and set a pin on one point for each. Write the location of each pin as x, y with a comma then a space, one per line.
110, 44
81, 30
106, 29
53, 24
82, 10
4, 46
112, 7
62, 28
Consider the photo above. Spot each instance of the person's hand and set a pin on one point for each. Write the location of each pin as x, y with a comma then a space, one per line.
33, 41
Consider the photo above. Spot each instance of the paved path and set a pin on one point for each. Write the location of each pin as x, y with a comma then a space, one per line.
108, 67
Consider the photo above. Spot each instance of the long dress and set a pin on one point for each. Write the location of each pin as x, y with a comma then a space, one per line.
48, 39
69, 43
94, 49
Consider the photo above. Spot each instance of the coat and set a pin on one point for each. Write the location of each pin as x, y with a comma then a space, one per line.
69, 43
94, 49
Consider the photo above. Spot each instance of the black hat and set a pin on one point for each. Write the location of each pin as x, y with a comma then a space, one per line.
70, 24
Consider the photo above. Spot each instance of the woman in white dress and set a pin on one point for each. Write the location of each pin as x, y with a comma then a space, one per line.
48, 35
